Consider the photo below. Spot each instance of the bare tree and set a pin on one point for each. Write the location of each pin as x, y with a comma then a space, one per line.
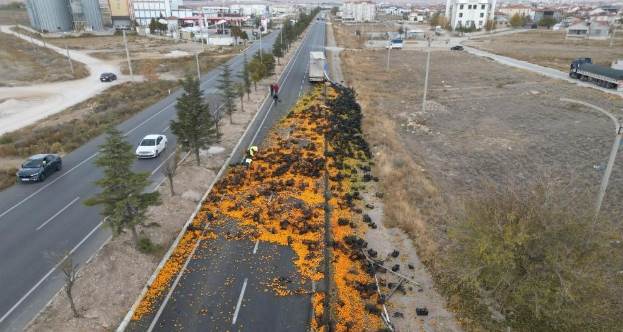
170, 169
70, 272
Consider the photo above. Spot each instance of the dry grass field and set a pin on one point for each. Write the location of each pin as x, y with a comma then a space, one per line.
23, 64
549, 48
484, 124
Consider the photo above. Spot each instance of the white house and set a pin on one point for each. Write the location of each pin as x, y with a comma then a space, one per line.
359, 11
467, 13
145, 10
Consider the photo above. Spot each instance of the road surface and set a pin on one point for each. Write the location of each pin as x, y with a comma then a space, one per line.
40, 221
225, 286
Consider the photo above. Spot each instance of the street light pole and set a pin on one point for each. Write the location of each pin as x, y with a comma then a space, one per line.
71, 65
389, 51
127, 55
426, 76
198, 70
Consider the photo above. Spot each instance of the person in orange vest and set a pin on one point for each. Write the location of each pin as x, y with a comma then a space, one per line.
249, 157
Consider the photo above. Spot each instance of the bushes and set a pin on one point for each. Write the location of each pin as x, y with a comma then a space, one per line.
540, 263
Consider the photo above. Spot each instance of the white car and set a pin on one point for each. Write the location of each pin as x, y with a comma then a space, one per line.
151, 146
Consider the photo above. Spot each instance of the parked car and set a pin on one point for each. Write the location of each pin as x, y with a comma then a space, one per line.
38, 167
108, 77
456, 48
395, 44
151, 146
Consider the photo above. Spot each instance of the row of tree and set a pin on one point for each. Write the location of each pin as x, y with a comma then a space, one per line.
291, 31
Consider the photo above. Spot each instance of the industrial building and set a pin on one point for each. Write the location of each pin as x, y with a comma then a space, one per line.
65, 15
469, 13
145, 10
49, 15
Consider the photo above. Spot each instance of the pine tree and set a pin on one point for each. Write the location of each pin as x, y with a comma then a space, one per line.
227, 92
244, 75
195, 128
123, 191
278, 49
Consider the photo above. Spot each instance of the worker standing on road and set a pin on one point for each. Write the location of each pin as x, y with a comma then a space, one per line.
250, 153
272, 89
276, 92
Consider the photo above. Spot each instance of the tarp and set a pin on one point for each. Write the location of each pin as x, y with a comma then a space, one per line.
601, 70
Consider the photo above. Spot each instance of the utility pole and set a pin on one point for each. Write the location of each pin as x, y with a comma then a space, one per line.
614, 31
127, 55
389, 51
261, 43
426, 76
71, 65
198, 70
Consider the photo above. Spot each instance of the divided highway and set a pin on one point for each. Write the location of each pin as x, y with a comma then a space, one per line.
227, 284
40, 222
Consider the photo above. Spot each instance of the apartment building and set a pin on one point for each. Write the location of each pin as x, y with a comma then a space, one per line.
468, 13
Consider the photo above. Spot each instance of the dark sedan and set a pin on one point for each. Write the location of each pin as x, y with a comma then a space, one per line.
456, 48
108, 77
38, 167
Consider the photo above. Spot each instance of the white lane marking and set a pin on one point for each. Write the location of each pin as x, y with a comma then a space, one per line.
165, 129
162, 163
57, 213
244, 286
47, 185
257, 243
149, 118
49, 273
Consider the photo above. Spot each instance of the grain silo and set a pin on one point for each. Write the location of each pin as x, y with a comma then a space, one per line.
87, 15
49, 15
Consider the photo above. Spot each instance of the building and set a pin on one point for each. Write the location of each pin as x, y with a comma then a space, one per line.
87, 15
594, 30
145, 10
49, 15
121, 13
521, 10
469, 13
546, 13
359, 11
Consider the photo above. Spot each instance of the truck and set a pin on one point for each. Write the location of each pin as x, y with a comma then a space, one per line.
585, 70
317, 62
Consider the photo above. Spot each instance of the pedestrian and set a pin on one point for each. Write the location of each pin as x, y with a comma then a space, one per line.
272, 89
276, 90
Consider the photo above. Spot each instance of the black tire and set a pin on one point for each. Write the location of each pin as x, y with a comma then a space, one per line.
59, 166
41, 177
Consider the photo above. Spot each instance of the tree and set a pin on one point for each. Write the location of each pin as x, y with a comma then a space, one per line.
244, 75
537, 257
547, 22
257, 71
490, 25
516, 21
434, 20
227, 92
170, 169
277, 49
194, 127
240, 91
401, 31
123, 195
236, 32
244, 37
70, 274
334, 10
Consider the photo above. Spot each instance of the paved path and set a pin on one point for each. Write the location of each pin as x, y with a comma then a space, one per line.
25, 105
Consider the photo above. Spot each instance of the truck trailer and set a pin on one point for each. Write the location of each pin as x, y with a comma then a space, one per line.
317, 63
584, 69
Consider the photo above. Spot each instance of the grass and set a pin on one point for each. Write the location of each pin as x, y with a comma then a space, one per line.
65, 131
23, 63
11, 16
150, 68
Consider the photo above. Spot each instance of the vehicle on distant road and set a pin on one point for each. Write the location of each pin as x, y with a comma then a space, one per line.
151, 146
395, 43
456, 48
317, 63
38, 167
585, 70
108, 77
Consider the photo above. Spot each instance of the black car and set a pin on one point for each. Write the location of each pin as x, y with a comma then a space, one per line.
456, 48
108, 77
38, 167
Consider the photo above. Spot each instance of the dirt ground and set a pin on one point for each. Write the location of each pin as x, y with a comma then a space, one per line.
549, 48
11, 16
125, 270
484, 123
22, 64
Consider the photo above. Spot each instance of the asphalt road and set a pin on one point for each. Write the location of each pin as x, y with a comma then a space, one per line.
40, 222
226, 284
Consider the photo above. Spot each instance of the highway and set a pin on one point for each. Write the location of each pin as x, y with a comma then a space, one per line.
226, 285
42, 221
